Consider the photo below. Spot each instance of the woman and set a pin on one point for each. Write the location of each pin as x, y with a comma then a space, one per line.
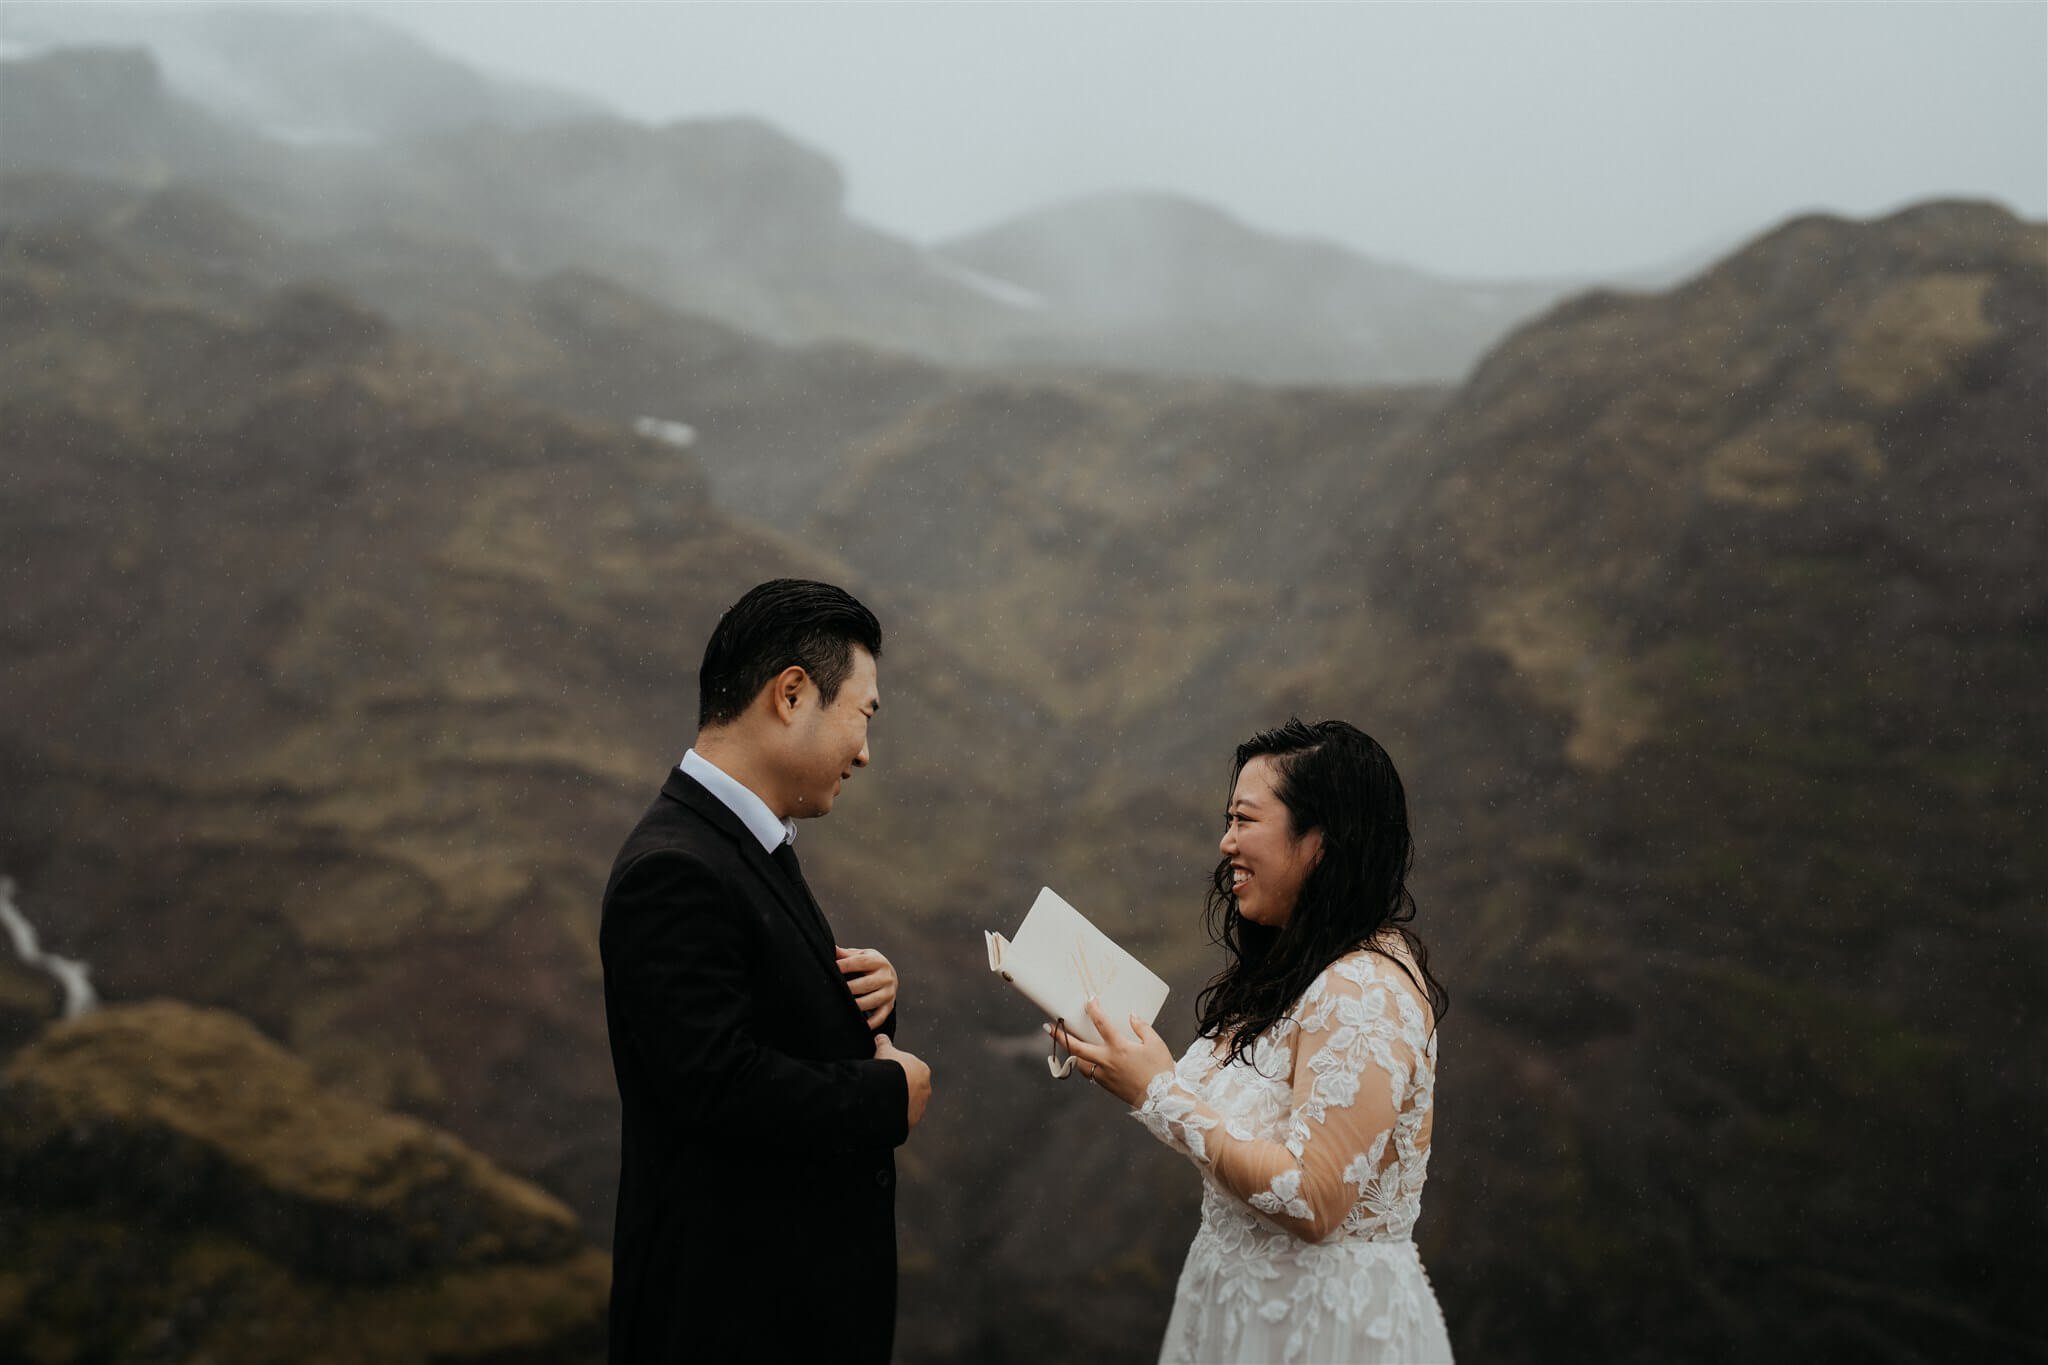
1307, 1098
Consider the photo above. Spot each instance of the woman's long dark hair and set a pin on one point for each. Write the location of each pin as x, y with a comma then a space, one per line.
1335, 778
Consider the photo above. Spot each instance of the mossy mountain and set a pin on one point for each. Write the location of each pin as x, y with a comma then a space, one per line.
733, 219
1706, 626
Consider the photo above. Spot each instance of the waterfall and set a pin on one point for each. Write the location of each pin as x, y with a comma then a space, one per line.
70, 973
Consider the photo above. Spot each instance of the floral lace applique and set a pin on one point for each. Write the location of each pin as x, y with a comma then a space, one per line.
1314, 1155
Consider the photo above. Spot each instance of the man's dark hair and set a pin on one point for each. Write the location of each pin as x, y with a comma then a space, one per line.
782, 622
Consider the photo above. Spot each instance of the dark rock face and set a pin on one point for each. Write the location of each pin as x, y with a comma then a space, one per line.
1700, 625
28, 1000
288, 613
1749, 551
196, 1117
104, 111
299, 75
265, 1217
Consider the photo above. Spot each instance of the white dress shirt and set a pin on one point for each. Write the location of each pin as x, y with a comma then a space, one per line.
764, 824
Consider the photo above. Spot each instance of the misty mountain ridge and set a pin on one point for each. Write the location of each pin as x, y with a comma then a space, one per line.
1201, 292
733, 219
367, 655
296, 73
346, 621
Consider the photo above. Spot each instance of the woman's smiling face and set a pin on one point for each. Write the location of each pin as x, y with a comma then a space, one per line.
1268, 864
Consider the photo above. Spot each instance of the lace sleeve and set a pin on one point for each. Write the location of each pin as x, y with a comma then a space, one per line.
1359, 1029
1177, 1115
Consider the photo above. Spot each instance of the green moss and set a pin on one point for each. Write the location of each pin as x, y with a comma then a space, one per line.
78, 1288
207, 1103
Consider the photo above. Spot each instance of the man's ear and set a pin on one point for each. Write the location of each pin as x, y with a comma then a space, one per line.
785, 693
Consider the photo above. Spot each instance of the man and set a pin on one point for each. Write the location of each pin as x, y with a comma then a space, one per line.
763, 1095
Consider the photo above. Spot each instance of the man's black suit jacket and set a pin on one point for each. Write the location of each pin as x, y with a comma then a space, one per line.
756, 1213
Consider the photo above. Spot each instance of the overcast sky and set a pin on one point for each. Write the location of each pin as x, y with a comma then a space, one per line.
1485, 139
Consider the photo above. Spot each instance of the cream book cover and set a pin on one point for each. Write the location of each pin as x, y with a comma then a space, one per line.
1059, 961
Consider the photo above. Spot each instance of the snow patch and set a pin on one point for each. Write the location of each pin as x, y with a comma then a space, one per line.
988, 286
679, 434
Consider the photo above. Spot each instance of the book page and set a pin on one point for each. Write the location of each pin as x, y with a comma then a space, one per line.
1059, 961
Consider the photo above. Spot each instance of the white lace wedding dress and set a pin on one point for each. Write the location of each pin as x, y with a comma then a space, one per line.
1312, 1157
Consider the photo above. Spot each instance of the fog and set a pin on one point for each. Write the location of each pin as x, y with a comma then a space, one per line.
1629, 415
1479, 140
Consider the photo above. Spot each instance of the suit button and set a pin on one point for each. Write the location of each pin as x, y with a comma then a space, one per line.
882, 1179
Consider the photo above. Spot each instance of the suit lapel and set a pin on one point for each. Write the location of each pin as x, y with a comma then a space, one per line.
807, 917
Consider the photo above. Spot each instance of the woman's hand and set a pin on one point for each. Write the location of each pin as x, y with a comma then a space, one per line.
872, 980
1123, 1064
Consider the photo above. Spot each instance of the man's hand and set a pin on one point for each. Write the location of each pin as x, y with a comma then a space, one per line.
914, 1070
871, 979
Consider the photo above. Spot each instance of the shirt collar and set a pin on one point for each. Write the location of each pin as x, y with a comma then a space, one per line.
764, 824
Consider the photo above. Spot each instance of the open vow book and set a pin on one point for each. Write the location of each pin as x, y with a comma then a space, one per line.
1060, 961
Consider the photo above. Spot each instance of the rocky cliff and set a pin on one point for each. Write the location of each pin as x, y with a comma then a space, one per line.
342, 642
296, 74
1759, 559
177, 1187
1704, 626
268, 575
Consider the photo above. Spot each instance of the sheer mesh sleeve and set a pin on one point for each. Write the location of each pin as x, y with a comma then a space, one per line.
1358, 1031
